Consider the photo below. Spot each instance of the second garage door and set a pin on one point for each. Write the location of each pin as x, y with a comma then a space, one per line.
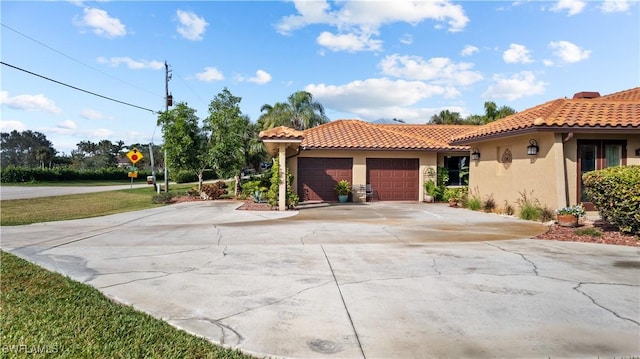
394, 179
318, 176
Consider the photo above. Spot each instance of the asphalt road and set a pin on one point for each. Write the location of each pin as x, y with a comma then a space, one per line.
21, 192
381, 280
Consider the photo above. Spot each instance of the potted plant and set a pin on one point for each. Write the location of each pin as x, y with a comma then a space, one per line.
343, 188
430, 191
452, 196
568, 216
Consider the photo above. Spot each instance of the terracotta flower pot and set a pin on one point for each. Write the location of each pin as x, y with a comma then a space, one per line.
567, 220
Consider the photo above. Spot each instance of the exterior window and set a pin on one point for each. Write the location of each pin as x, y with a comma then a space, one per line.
596, 155
458, 167
612, 155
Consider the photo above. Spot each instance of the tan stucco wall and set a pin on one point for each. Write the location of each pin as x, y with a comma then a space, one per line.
537, 176
552, 175
425, 159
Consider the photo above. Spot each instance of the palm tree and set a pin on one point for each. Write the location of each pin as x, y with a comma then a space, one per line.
300, 112
446, 117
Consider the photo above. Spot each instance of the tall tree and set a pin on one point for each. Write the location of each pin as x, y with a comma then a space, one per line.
26, 148
254, 150
446, 117
103, 154
184, 140
491, 113
227, 128
300, 111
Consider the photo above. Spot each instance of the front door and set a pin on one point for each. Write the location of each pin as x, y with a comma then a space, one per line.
596, 155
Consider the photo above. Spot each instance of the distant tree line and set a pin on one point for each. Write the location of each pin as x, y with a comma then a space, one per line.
491, 113
32, 149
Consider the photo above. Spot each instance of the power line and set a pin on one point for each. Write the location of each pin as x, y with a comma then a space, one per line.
74, 59
78, 89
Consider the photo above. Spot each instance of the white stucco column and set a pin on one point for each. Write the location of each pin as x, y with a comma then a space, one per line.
282, 193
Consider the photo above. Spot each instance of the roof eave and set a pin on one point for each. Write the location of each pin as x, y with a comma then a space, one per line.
565, 128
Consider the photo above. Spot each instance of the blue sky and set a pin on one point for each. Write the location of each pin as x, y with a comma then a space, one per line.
361, 59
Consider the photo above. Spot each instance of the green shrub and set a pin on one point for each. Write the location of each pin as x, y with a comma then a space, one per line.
588, 232
615, 191
474, 201
162, 198
13, 174
529, 206
442, 178
184, 176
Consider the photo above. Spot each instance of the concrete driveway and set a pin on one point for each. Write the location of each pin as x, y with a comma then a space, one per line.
381, 280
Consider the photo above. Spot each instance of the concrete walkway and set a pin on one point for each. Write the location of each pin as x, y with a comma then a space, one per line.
381, 280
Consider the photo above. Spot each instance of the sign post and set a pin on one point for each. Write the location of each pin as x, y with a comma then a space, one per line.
134, 156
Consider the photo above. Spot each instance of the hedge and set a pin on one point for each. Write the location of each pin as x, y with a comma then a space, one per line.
12, 174
615, 191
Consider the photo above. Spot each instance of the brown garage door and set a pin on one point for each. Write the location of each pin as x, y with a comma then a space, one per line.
393, 179
318, 176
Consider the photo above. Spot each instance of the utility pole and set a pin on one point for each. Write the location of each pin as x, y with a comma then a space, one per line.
168, 101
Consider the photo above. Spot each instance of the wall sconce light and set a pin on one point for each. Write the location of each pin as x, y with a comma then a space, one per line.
533, 148
475, 155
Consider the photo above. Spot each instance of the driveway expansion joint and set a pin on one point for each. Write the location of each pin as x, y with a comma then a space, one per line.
344, 303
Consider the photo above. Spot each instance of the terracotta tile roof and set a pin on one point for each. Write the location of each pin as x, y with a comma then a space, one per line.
356, 134
627, 95
280, 133
620, 110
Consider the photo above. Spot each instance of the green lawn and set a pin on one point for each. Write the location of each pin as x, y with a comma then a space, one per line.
59, 208
45, 314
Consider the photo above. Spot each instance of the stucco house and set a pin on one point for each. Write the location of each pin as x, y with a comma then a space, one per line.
545, 150
540, 151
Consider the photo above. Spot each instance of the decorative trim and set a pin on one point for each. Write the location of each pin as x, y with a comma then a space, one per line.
506, 158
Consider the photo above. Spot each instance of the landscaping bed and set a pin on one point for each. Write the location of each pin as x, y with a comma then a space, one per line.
607, 234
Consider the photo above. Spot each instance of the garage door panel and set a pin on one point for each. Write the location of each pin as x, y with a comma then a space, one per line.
394, 179
318, 176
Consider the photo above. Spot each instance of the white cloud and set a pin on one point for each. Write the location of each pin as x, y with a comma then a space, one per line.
92, 115
68, 125
568, 52
131, 63
512, 88
358, 21
210, 74
101, 23
440, 70
10, 125
29, 103
348, 42
375, 95
66, 128
517, 54
406, 39
192, 27
469, 50
262, 77
573, 7
615, 6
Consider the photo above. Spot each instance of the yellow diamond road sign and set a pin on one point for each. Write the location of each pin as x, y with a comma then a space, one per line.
134, 155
